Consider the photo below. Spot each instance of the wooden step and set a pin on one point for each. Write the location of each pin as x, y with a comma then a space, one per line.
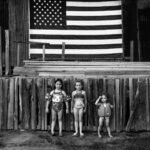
63, 68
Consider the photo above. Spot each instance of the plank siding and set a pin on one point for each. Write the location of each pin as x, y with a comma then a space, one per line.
23, 105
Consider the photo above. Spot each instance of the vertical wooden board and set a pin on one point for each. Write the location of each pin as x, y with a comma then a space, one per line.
1, 62
89, 108
124, 102
72, 88
16, 104
34, 106
131, 92
135, 99
111, 98
140, 113
66, 87
148, 125
40, 98
96, 95
1, 103
10, 122
45, 91
147, 105
27, 96
117, 87
21, 123
121, 105
5, 102
50, 87
7, 53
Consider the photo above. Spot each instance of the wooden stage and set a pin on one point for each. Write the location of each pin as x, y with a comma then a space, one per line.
89, 69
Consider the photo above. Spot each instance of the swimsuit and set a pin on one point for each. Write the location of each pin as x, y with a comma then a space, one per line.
104, 110
57, 101
78, 98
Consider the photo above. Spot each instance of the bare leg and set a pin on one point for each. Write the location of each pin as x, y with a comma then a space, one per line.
60, 121
101, 120
107, 126
53, 121
80, 121
76, 118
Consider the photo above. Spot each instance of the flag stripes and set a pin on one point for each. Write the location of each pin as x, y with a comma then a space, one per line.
91, 27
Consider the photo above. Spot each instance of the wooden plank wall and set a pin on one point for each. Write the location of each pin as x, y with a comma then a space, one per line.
22, 104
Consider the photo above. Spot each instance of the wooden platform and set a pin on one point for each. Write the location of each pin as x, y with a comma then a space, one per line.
90, 69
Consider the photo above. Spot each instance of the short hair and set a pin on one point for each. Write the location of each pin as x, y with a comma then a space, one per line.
80, 81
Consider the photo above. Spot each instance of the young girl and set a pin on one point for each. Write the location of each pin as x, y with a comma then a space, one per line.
57, 97
104, 112
78, 106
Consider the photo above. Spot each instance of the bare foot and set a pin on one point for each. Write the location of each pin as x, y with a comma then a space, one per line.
110, 136
75, 134
99, 135
81, 134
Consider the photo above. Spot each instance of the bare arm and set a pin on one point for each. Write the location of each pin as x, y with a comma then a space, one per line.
66, 102
72, 101
97, 101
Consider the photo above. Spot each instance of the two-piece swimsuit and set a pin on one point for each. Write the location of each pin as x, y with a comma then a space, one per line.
79, 98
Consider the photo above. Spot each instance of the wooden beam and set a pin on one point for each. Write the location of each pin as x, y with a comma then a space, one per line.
18, 54
7, 53
63, 51
1, 58
43, 52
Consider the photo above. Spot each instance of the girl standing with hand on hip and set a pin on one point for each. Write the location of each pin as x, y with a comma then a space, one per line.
57, 97
78, 107
104, 113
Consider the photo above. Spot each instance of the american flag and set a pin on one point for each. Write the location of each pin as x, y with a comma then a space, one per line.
90, 29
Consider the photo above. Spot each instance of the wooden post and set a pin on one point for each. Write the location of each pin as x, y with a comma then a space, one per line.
18, 54
1, 63
43, 52
132, 50
7, 57
63, 51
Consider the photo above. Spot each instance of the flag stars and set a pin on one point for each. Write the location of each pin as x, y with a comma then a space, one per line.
47, 13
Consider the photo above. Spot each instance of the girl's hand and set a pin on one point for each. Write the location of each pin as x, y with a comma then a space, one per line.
47, 96
47, 110
67, 111
84, 110
72, 111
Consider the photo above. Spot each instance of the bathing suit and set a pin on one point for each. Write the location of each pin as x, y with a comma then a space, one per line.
104, 110
79, 98
57, 101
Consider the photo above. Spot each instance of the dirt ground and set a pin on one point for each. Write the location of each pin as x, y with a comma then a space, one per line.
42, 140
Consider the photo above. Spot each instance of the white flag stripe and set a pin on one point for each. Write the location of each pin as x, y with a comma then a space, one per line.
93, 13
79, 42
93, 4
77, 51
94, 23
75, 32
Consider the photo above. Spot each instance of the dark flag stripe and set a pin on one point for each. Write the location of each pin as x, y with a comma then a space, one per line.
93, 8
117, 36
107, 46
116, 17
102, 27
